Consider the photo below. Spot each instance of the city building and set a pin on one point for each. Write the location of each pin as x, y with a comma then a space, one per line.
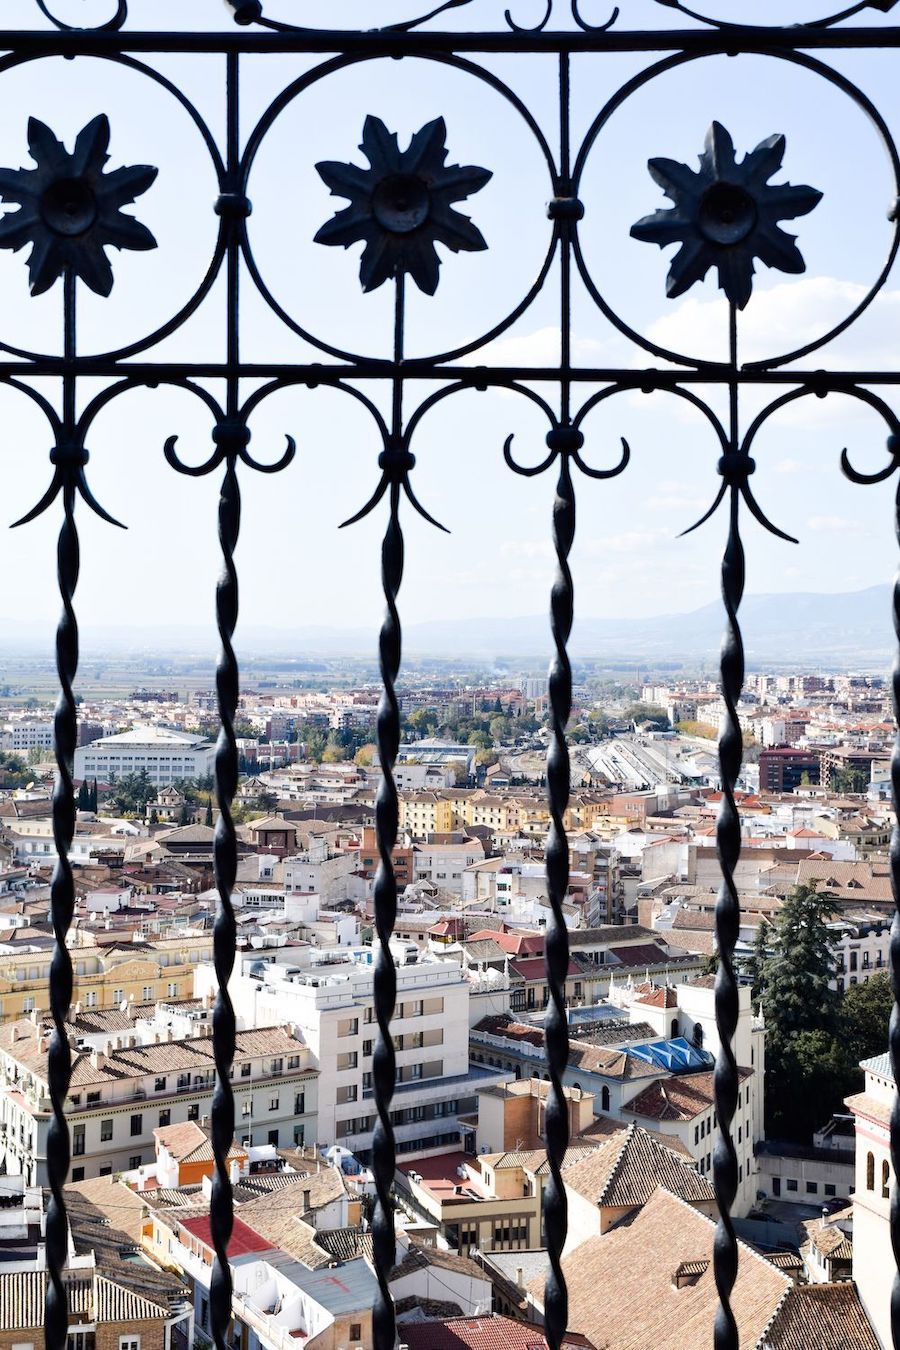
165, 756
873, 1265
330, 1001
161, 1074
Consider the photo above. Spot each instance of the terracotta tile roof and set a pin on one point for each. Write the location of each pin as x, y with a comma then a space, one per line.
862, 1104
635, 1264
476, 1333
828, 1239
92, 1297
827, 1316
610, 1063
677, 1098
187, 1142
660, 998
627, 1170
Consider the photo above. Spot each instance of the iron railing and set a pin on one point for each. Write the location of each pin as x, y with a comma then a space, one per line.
400, 205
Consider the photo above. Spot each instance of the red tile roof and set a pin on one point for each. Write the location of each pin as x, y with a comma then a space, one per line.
243, 1239
477, 1333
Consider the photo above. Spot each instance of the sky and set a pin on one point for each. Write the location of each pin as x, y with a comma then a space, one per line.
296, 567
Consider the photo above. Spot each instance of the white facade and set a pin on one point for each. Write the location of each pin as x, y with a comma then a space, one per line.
873, 1265
444, 864
27, 736
331, 1005
164, 755
144, 1081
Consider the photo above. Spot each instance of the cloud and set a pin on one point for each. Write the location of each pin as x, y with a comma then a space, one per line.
541, 348
782, 318
833, 525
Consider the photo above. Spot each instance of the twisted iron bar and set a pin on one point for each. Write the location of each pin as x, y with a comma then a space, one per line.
387, 815
556, 1034
894, 953
62, 907
726, 1082
221, 1209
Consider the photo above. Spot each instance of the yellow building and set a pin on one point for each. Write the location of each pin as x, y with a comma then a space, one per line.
424, 813
138, 972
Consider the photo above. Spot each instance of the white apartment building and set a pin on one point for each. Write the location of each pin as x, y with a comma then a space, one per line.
445, 864
873, 1265
26, 736
165, 755
330, 1003
142, 1082
323, 872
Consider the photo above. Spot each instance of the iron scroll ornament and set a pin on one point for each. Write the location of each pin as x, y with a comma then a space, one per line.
396, 460
69, 211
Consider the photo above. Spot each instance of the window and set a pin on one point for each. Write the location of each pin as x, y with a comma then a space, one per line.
830, 1188
604, 1099
159, 1085
273, 1137
870, 1171
273, 1103
118, 996
147, 993
129, 1343
194, 1111
90, 999
28, 1005
356, 1331
106, 1169
885, 1180
348, 1026
812, 1188
137, 1125
135, 1161
81, 1340
276, 1065
106, 1130
93, 1098
299, 1103
299, 1132
78, 1141
348, 1061
293, 1062
172, 989
165, 1118
791, 1184
367, 1048
245, 1069
78, 1174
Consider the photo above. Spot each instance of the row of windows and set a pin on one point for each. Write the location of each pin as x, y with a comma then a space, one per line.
812, 1187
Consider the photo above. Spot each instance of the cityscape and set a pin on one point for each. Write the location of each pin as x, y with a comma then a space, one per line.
816, 1088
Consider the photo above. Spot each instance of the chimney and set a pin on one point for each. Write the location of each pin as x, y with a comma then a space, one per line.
307, 1199
519, 1277
234, 1172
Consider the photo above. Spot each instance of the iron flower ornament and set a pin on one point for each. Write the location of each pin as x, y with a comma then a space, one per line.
70, 209
725, 215
401, 205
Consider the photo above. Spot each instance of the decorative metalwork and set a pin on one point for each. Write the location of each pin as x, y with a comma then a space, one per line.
401, 210
726, 215
401, 205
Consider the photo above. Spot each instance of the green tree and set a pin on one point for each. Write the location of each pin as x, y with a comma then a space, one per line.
94, 796
807, 1080
802, 965
209, 814
865, 1013
758, 962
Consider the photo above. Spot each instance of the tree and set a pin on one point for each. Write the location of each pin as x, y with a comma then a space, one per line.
94, 796
364, 756
802, 965
209, 814
332, 754
84, 797
865, 1013
756, 966
807, 1080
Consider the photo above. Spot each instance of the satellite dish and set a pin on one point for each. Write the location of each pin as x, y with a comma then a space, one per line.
123, 1006
29, 786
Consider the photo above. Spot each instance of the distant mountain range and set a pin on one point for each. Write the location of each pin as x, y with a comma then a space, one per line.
848, 629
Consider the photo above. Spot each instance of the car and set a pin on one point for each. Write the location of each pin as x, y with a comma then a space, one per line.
836, 1203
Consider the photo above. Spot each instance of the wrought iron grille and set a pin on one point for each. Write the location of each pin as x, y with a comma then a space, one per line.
400, 204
